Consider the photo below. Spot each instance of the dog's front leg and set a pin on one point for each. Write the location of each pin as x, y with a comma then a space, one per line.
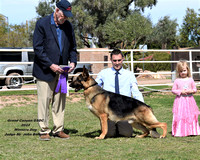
104, 125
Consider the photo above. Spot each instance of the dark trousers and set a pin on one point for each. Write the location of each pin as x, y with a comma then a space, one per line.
119, 129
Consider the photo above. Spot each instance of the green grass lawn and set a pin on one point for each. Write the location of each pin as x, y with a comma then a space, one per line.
83, 127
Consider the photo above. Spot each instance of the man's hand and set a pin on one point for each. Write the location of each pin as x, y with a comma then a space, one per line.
57, 69
72, 65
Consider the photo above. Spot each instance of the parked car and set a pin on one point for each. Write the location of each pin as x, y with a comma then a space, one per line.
15, 55
23, 55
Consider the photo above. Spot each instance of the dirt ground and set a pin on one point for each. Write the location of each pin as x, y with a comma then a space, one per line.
19, 100
141, 81
24, 100
153, 81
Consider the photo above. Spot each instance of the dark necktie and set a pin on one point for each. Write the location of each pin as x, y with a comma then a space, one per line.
116, 83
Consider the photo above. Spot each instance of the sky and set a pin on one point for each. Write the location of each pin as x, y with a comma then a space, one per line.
175, 9
18, 11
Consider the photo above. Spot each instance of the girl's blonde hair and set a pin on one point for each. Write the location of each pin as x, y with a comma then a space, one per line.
179, 68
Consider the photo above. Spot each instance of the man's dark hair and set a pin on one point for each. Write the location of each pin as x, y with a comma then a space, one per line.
116, 52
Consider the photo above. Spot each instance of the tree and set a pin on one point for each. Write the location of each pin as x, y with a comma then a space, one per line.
165, 31
4, 31
190, 29
16, 35
44, 8
19, 36
91, 18
128, 32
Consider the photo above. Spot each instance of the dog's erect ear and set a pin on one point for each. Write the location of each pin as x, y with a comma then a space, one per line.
84, 68
85, 73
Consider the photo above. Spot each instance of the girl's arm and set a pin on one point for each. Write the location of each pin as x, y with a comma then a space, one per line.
193, 89
175, 89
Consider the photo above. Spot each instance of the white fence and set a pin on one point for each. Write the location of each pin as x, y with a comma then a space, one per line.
131, 62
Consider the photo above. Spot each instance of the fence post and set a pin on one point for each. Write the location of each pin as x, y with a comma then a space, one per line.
190, 61
132, 65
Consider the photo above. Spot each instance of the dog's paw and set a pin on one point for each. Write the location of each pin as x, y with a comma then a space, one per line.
162, 136
99, 138
139, 136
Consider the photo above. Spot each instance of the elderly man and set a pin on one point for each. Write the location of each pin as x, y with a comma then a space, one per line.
54, 45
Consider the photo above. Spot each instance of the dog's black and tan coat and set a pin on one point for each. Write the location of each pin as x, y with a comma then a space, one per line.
107, 105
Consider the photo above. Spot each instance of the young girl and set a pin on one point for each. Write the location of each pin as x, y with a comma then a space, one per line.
185, 110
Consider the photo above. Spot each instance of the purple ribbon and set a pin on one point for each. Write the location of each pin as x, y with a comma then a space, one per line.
62, 83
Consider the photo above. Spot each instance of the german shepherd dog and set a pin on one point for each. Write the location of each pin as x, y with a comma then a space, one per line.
107, 105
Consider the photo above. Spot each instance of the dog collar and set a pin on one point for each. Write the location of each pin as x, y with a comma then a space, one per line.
91, 86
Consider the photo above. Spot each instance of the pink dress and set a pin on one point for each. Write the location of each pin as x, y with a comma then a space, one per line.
185, 110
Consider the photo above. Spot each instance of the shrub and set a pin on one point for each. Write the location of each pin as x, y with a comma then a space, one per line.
154, 56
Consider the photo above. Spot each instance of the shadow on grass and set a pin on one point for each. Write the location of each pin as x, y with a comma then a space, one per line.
98, 132
92, 134
70, 131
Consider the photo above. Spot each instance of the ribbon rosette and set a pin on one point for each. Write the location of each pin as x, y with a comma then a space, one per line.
62, 83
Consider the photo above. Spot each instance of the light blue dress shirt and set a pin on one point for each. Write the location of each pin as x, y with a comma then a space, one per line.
59, 33
127, 82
